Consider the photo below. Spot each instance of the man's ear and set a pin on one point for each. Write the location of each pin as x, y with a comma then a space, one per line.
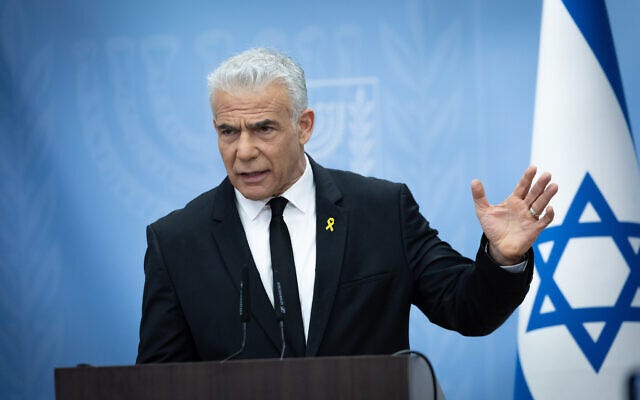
305, 125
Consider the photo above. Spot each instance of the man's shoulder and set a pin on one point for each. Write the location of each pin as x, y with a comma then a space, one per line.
353, 183
196, 212
358, 190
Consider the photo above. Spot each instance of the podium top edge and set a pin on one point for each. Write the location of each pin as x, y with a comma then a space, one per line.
246, 361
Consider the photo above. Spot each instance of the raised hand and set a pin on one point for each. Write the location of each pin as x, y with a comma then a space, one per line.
513, 225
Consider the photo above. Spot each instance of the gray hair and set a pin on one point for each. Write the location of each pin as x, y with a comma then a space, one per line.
255, 69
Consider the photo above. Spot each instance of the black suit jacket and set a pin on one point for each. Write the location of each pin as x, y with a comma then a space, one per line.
380, 258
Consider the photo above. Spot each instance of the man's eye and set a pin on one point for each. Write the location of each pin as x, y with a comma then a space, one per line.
265, 129
226, 132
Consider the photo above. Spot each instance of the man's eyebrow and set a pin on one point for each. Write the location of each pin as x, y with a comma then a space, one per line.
263, 123
226, 126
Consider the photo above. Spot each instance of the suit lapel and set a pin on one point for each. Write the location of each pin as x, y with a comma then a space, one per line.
331, 235
234, 248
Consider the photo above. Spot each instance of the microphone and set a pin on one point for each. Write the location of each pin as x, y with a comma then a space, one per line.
244, 297
243, 311
435, 390
278, 305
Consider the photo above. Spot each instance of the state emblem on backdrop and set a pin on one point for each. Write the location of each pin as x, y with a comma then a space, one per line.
344, 135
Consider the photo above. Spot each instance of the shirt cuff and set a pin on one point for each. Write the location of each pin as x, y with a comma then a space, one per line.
514, 269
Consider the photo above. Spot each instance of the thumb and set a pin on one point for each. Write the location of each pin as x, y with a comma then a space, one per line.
479, 198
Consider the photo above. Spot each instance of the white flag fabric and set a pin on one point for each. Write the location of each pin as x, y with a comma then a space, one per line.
579, 327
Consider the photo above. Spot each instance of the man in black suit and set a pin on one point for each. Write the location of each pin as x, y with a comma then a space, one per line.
342, 255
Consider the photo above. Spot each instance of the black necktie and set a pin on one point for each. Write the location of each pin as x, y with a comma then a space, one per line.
284, 271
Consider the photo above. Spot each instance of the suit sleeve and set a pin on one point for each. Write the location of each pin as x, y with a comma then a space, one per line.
471, 297
164, 333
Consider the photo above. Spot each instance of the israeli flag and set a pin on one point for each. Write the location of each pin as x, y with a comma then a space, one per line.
579, 327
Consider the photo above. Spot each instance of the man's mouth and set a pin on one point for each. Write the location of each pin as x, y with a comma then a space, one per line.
254, 176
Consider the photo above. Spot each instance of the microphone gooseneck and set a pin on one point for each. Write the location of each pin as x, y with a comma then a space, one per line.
244, 296
279, 307
434, 384
284, 343
243, 311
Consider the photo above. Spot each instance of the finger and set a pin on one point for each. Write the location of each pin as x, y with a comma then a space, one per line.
479, 198
546, 219
537, 189
543, 200
522, 188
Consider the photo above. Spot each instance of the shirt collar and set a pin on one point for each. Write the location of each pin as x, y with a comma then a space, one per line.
301, 195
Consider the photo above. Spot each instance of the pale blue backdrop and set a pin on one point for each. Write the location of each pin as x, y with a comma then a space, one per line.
105, 127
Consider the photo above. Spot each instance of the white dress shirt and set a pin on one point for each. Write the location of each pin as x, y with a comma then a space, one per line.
300, 217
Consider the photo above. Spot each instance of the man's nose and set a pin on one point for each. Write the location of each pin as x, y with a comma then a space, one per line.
246, 147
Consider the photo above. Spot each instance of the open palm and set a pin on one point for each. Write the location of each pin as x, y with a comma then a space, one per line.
513, 225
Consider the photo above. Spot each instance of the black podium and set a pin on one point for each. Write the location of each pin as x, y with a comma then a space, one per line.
334, 378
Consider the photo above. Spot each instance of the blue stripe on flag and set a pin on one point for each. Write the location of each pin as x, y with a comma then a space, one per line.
521, 389
592, 20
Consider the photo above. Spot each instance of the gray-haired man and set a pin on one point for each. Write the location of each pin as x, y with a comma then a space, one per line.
347, 255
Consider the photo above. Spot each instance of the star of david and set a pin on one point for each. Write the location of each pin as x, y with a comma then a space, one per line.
574, 318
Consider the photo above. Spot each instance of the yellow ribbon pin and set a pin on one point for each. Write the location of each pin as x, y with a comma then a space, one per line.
330, 223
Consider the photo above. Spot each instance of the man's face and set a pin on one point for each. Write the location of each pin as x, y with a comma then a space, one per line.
262, 151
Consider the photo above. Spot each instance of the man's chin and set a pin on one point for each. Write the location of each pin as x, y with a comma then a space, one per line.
253, 193
252, 188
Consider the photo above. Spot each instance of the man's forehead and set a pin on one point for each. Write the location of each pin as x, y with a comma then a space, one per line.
250, 104
250, 115
269, 91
